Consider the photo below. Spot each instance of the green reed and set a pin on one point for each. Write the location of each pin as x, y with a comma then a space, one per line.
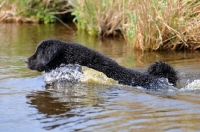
45, 11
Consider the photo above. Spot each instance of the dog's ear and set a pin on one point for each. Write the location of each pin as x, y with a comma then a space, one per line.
47, 51
48, 57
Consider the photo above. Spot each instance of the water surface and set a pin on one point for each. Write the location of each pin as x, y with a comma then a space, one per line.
27, 104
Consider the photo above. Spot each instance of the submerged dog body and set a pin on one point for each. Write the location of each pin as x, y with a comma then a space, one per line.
52, 53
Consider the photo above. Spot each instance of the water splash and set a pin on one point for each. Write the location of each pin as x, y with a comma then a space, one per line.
77, 73
193, 86
70, 73
161, 86
189, 82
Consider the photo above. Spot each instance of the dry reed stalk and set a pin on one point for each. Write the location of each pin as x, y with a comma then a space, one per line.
167, 28
147, 25
110, 21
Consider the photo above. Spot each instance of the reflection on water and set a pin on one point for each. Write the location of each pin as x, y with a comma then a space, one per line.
88, 107
63, 97
26, 103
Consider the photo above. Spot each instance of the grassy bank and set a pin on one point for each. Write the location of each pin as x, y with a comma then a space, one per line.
145, 24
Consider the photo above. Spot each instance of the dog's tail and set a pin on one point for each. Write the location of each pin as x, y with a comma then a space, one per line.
162, 69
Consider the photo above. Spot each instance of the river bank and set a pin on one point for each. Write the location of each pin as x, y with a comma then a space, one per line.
146, 26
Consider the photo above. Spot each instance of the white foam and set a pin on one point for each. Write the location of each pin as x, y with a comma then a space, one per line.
71, 73
194, 85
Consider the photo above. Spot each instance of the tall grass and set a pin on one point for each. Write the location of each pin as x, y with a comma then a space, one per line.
145, 24
101, 17
166, 24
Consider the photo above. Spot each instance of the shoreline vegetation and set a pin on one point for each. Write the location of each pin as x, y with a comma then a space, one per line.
147, 25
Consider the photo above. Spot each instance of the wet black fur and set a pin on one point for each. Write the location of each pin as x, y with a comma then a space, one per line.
52, 53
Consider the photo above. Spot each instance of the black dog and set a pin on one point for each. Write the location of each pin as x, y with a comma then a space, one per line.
52, 53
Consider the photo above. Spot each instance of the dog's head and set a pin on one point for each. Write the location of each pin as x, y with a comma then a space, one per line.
44, 54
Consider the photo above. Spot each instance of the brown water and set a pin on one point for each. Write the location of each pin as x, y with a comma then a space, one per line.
26, 104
